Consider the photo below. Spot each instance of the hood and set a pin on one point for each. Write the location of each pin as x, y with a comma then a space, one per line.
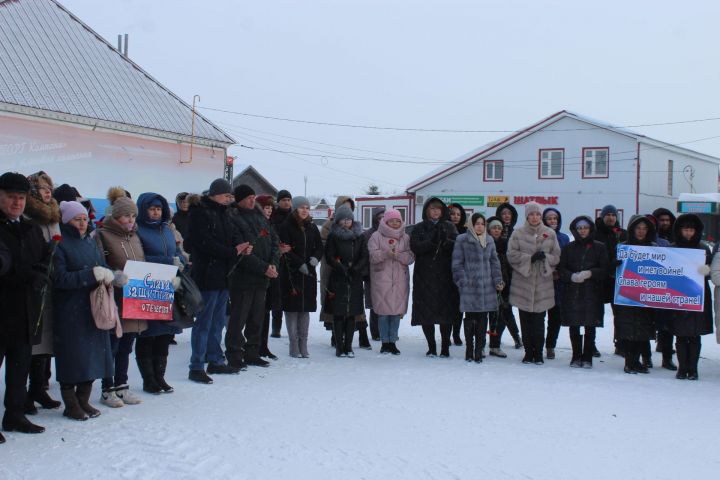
375, 220
345, 198
635, 220
513, 210
664, 211
684, 219
463, 216
557, 212
143, 203
601, 227
446, 213
574, 233
41, 212
389, 232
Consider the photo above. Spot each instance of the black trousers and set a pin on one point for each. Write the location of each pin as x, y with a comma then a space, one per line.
17, 367
665, 341
476, 324
343, 330
553, 326
457, 325
374, 327
277, 316
632, 350
265, 333
532, 325
445, 332
40, 372
242, 338
583, 350
688, 354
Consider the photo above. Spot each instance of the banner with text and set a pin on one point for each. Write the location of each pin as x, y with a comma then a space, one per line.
660, 277
149, 293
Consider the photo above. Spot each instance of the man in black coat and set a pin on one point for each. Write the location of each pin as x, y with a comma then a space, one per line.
214, 250
20, 298
250, 280
279, 215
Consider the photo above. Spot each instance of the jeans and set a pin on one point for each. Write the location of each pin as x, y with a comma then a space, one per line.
206, 334
389, 325
121, 349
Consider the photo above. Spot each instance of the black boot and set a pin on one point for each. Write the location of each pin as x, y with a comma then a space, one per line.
445, 348
576, 342
159, 367
393, 348
147, 371
37, 392
457, 326
385, 348
83, 392
667, 362
363, 340
19, 423
682, 348
693, 358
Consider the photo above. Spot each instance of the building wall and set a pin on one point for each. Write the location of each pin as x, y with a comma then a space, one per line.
92, 161
573, 195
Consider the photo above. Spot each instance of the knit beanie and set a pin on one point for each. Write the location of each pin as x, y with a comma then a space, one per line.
343, 213
265, 201
283, 194
219, 186
243, 191
300, 201
392, 214
494, 223
70, 210
608, 209
123, 206
532, 207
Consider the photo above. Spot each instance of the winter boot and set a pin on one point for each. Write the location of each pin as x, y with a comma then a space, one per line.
667, 361
646, 353
199, 376
682, 348
393, 349
363, 340
550, 353
30, 408
159, 366
147, 371
20, 423
693, 358
37, 391
385, 348
72, 405
445, 349
577, 358
83, 392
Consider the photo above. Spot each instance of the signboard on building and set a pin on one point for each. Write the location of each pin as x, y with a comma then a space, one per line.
522, 200
463, 200
497, 200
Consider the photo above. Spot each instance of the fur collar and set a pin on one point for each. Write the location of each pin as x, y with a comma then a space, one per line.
42, 213
345, 234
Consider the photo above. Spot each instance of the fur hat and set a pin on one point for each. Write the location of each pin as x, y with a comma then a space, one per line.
14, 182
265, 201
532, 207
71, 210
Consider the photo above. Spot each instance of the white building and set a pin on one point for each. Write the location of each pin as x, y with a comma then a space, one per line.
570, 162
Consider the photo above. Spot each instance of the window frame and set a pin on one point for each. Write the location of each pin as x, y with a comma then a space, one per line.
369, 209
582, 165
562, 164
485, 167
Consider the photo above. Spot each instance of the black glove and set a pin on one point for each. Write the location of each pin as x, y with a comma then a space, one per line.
537, 256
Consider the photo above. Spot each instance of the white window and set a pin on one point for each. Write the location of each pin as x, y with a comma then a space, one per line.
552, 163
367, 217
403, 212
493, 171
596, 162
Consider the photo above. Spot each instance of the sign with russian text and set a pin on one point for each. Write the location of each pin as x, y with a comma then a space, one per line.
149, 293
463, 199
497, 200
660, 277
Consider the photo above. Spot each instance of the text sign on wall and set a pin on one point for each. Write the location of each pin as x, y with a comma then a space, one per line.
149, 293
463, 199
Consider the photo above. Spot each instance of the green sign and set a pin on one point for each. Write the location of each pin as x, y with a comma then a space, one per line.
463, 200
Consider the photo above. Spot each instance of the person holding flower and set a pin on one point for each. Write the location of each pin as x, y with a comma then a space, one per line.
390, 256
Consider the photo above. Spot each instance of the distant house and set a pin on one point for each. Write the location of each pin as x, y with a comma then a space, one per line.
73, 105
250, 176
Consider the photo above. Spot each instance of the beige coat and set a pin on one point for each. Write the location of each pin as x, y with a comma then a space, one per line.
715, 277
532, 288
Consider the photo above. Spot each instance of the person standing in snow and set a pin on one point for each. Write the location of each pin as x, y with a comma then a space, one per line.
278, 217
181, 217
273, 301
665, 222
553, 219
377, 216
533, 253
582, 270
301, 248
508, 215
390, 256
478, 275
435, 296
346, 253
458, 217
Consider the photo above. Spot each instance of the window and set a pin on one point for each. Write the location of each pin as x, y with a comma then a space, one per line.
403, 213
552, 163
367, 215
596, 162
493, 171
670, 178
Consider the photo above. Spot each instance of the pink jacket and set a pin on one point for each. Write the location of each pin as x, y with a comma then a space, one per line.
389, 274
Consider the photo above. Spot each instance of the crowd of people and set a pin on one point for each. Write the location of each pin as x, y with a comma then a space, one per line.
256, 259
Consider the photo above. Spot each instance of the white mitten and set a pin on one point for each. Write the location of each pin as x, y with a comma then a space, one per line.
704, 270
586, 274
176, 283
577, 277
119, 279
103, 275
313, 262
178, 263
304, 269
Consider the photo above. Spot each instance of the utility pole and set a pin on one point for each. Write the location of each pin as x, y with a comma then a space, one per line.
305, 177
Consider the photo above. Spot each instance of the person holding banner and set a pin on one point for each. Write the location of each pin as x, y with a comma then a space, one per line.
533, 253
687, 326
583, 269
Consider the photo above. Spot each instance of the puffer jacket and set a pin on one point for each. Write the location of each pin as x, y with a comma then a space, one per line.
347, 254
389, 274
324, 267
476, 272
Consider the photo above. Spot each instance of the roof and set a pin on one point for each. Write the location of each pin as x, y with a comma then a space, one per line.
249, 170
490, 148
53, 62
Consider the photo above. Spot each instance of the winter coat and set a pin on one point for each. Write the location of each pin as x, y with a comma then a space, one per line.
435, 295
298, 291
213, 244
461, 226
610, 237
324, 267
476, 272
532, 287
250, 225
657, 213
82, 351
346, 253
20, 287
389, 273
583, 302
507, 228
715, 277
5, 259
118, 246
181, 220
159, 246
563, 240
636, 323
501, 249
367, 234
683, 323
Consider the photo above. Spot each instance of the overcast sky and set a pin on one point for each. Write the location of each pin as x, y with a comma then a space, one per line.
478, 65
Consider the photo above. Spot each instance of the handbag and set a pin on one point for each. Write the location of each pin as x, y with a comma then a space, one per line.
104, 310
187, 303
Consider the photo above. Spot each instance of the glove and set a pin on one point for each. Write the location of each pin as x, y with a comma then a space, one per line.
537, 256
178, 263
176, 283
617, 262
577, 277
500, 286
119, 279
304, 269
313, 262
585, 274
704, 270
103, 275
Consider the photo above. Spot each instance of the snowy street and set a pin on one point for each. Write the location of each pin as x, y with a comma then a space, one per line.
381, 416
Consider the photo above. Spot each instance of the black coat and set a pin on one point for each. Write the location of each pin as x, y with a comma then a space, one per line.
501, 246
684, 323
298, 291
181, 220
347, 255
20, 287
507, 228
583, 302
610, 237
435, 296
213, 244
82, 351
250, 225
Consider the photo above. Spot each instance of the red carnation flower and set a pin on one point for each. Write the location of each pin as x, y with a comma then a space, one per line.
332, 295
337, 259
263, 233
545, 235
57, 238
391, 241
491, 333
294, 292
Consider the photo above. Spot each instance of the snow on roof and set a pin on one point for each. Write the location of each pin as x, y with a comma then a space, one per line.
50, 60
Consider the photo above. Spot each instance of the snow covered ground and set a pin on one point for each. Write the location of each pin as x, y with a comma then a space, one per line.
378, 416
